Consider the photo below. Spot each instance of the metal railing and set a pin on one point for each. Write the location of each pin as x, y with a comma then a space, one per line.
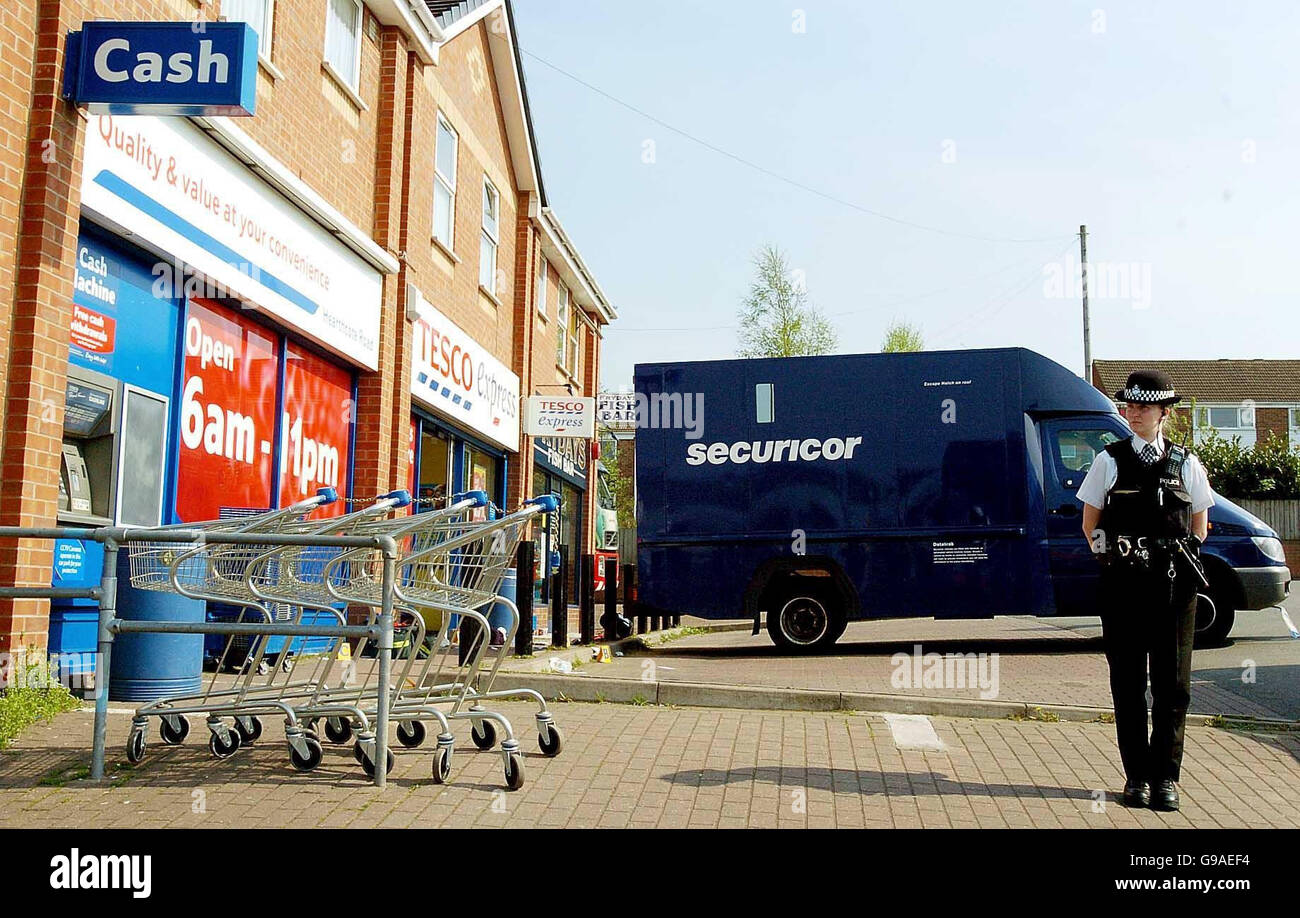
110, 625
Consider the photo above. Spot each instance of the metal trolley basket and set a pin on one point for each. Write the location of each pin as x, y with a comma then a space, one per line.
220, 572
458, 573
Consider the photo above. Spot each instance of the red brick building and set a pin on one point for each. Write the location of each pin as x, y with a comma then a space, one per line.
1250, 399
356, 287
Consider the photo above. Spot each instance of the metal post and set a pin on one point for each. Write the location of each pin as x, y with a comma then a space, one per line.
587, 599
560, 604
385, 665
629, 599
107, 612
524, 598
1087, 324
610, 618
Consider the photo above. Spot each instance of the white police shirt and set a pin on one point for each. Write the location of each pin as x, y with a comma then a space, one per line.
1101, 477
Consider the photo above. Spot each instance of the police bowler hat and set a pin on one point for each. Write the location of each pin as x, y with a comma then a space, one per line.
1148, 387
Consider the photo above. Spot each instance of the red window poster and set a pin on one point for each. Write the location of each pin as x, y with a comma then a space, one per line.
317, 425
227, 414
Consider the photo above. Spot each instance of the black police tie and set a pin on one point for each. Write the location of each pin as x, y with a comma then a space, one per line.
1149, 454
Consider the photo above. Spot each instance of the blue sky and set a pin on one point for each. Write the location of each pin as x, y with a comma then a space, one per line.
1172, 129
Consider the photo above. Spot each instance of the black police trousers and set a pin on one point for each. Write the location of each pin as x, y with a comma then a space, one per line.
1148, 627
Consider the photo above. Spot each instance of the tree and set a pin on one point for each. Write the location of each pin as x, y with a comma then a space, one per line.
776, 318
901, 337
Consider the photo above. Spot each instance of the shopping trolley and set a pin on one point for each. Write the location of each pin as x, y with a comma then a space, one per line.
457, 575
301, 575
219, 572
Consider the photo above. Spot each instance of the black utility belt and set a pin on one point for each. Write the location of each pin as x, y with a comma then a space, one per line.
1149, 553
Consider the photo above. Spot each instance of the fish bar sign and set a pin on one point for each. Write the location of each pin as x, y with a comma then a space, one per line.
162, 68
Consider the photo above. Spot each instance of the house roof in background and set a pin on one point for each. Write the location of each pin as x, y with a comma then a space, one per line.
446, 12
1211, 380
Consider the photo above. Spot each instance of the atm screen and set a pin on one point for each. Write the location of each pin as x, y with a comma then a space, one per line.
88, 408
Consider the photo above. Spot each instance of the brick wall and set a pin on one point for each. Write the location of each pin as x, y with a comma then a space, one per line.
1270, 422
371, 158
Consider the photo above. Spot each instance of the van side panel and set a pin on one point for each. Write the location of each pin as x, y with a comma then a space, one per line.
922, 502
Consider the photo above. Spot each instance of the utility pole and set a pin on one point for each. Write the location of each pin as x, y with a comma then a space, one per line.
1087, 324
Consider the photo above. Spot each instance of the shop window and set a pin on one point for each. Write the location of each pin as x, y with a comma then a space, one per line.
487, 266
481, 471
316, 430
435, 469
260, 14
343, 41
561, 327
541, 285
444, 184
228, 414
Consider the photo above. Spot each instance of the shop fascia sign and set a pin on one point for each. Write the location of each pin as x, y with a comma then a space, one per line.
560, 416
567, 454
616, 409
175, 190
458, 378
162, 68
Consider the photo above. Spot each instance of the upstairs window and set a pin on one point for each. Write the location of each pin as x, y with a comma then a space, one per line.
541, 285
343, 40
260, 14
562, 327
444, 184
487, 265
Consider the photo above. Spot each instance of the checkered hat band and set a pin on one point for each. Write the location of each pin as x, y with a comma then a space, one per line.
1148, 395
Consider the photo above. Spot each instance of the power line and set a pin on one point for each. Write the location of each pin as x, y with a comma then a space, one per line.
776, 175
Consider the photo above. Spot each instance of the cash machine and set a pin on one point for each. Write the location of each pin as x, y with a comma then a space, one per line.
112, 472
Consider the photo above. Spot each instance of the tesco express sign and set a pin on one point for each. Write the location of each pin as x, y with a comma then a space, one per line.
455, 376
560, 416
162, 68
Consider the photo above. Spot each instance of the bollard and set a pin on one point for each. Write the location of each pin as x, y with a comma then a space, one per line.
524, 590
629, 599
560, 604
610, 619
103, 671
587, 599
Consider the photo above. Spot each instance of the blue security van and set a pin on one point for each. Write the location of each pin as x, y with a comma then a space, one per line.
816, 491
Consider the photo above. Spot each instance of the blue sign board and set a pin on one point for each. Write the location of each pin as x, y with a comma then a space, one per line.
162, 68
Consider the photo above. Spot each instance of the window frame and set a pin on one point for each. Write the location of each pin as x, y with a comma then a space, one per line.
576, 328
563, 304
264, 43
489, 190
541, 285
439, 178
355, 84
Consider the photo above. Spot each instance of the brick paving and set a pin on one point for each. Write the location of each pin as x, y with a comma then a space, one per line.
630, 766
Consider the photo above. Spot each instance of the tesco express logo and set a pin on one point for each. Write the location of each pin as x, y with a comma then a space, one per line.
447, 358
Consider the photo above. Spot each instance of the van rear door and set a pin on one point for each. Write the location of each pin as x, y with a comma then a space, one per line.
1070, 444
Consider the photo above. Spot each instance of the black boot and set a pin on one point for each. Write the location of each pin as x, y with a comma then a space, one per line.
1165, 795
1136, 793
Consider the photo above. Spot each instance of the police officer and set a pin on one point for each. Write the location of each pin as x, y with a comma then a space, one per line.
1145, 515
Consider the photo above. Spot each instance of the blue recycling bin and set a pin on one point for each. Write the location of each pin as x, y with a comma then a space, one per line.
499, 615
146, 667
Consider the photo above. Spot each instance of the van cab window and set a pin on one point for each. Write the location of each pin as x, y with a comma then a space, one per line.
1075, 449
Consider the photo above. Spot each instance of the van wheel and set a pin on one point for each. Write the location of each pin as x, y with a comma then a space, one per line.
1214, 620
804, 620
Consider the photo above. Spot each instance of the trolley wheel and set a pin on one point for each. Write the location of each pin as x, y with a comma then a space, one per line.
550, 742
514, 772
369, 767
488, 738
174, 737
442, 765
315, 752
135, 747
411, 733
224, 750
338, 730
249, 736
